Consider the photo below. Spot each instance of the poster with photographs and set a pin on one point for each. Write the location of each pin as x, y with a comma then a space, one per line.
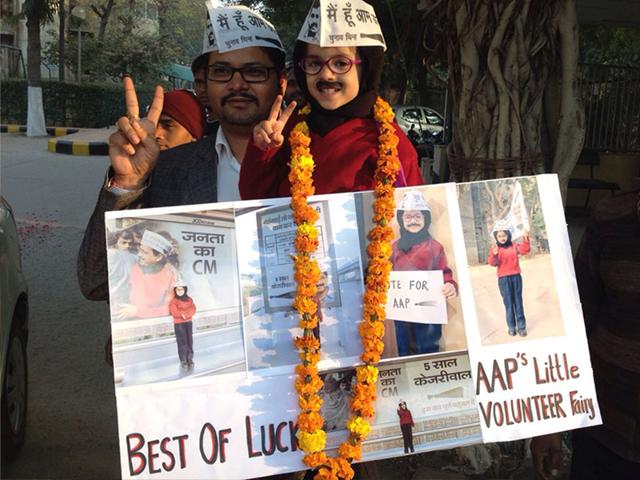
203, 327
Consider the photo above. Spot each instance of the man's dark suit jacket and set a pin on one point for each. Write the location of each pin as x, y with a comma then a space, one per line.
184, 175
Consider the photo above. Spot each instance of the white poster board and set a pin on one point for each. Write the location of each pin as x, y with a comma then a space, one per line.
232, 415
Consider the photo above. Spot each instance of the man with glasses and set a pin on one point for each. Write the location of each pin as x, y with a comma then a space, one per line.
243, 80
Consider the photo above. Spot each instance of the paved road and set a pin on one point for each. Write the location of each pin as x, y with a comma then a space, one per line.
72, 428
215, 352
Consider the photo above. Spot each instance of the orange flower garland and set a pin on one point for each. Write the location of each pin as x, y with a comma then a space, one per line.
311, 437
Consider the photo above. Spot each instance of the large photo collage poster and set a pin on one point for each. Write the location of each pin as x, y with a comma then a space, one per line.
203, 327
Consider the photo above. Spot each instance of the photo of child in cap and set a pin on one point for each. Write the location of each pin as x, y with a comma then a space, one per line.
423, 241
505, 236
416, 249
341, 84
406, 426
152, 278
182, 309
504, 255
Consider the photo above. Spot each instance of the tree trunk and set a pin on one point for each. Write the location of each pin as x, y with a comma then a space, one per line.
35, 110
571, 125
104, 12
503, 57
61, 41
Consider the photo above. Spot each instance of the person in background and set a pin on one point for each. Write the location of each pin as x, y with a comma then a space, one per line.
293, 92
199, 70
608, 276
181, 120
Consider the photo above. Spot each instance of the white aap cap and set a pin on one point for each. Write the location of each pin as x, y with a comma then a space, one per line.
342, 23
502, 225
156, 241
413, 200
236, 27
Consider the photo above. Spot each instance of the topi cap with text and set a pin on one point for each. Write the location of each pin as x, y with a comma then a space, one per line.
342, 23
236, 27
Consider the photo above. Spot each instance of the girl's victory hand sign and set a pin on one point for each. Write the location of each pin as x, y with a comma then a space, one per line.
268, 133
133, 149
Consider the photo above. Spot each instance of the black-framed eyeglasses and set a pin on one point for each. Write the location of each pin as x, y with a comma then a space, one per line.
339, 64
250, 74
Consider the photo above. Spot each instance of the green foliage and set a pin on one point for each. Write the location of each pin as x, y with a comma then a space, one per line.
129, 49
604, 44
126, 48
181, 27
89, 105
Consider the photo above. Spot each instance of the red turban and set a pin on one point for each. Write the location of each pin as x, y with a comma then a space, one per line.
185, 108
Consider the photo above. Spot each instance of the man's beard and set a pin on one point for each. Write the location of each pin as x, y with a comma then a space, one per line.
241, 117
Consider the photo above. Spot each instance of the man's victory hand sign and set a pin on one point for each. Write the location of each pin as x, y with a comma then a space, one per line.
133, 149
268, 133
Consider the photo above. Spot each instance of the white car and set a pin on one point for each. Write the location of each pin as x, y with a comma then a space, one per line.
424, 120
14, 316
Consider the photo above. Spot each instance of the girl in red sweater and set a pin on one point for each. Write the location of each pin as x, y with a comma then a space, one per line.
406, 426
341, 85
182, 310
504, 255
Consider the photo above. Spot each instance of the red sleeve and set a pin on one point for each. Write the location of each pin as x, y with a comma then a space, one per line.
524, 247
173, 309
191, 310
408, 158
493, 260
441, 264
263, 172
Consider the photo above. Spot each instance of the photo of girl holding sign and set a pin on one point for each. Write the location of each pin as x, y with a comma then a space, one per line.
416, 249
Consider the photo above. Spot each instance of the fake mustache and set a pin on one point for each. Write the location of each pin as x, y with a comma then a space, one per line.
324, 84
414, 225
244, 95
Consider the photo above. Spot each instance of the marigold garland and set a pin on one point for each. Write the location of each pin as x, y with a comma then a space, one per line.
311, 437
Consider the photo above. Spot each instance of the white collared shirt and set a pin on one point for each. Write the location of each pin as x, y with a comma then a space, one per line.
228, 170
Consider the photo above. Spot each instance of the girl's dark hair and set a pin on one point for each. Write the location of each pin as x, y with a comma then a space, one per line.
505, 244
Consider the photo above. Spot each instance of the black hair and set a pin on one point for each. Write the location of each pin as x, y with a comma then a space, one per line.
505, 244
184, 296
113, 238
277, 57
200, 63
